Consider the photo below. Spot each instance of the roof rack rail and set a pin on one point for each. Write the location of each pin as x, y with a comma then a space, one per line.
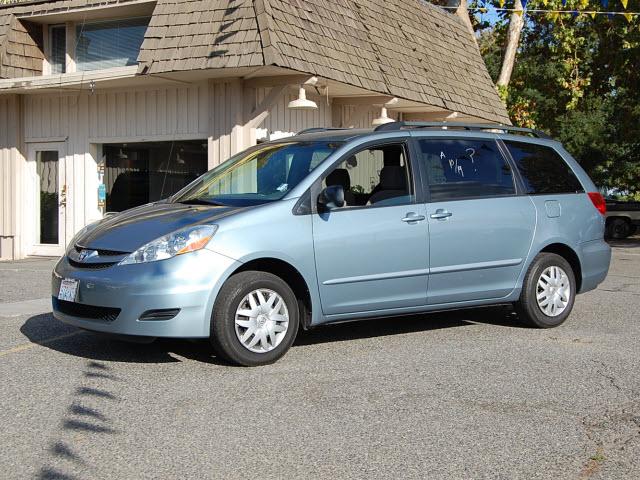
466, 126
318, 129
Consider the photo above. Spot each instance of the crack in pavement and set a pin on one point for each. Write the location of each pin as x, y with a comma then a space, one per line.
614, 431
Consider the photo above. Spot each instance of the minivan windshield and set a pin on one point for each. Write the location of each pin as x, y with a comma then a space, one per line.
261, 174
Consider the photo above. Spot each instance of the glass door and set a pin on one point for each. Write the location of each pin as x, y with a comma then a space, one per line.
49, 199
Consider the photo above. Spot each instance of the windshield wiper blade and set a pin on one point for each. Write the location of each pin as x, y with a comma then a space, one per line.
201, 201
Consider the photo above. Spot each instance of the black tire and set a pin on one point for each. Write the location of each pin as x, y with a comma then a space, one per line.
223, 337
527, 307
619, 228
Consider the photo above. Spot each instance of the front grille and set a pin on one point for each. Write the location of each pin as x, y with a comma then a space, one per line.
94, 266
102, 253
90, 312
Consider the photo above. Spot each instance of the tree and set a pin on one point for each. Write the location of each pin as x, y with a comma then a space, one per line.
516, 22
576, 78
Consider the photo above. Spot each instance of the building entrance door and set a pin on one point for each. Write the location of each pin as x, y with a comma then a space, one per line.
46, 210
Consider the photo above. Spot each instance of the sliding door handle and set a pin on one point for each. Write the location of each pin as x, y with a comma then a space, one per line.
413, 217
441, 214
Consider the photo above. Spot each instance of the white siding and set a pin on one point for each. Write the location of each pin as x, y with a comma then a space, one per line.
225, 120
9, 154
351, 117
285, 120
111, 115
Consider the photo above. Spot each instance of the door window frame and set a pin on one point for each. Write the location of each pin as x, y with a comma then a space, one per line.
414, 176
517, 181
31, 208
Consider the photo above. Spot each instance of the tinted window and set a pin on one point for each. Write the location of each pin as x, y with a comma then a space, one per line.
459, 169
374, 176
542, 169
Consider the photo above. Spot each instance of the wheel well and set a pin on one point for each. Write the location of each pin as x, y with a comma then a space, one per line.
570, 256
289, 274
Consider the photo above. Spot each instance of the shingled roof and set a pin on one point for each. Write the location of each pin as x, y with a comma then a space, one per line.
404, 48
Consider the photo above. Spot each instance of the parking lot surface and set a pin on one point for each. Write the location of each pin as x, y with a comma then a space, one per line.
469, 394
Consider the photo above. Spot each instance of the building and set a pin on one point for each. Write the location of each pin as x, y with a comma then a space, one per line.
107, 104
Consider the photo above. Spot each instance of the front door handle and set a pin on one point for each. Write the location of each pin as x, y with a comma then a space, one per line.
413, 217
441, 214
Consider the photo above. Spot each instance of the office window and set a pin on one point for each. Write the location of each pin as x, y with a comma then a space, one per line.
108, 44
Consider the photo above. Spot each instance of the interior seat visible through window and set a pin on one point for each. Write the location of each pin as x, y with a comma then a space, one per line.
340, 176
393, 184
374, 176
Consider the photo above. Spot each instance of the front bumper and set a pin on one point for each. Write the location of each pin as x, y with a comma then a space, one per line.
113, 299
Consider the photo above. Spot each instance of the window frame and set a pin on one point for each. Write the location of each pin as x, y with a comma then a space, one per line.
71, 33
521, 181
47, 39
518, 189
414, 175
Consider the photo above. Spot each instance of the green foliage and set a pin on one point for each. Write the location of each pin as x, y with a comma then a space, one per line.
578, 78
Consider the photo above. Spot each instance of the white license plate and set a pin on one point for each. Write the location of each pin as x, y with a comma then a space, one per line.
68, 290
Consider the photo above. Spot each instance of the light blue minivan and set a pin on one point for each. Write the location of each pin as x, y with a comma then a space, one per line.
333, 225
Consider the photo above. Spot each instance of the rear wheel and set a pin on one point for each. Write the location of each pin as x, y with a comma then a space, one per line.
255, 319
548, 292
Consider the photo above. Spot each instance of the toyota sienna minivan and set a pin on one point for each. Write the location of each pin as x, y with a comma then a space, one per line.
333, 225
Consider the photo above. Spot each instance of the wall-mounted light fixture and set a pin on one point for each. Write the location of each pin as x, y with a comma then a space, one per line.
302, 103
384, 117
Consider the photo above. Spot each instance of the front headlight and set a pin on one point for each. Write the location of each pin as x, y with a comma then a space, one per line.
176, 243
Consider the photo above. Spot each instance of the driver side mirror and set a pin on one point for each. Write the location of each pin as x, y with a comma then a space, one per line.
331, 197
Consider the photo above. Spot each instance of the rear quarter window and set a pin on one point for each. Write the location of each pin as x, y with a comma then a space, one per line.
543, 170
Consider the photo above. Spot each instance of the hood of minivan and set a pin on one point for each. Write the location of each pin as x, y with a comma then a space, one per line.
129, 230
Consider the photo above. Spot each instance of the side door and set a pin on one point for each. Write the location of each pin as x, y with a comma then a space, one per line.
371, 254
480, 228
46, 211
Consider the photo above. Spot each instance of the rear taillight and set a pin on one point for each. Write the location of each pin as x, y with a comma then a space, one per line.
598, 201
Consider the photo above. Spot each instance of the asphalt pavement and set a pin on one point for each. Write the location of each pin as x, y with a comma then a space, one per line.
468, 394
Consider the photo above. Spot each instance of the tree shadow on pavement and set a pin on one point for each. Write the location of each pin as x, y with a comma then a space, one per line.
50, 333
85, 419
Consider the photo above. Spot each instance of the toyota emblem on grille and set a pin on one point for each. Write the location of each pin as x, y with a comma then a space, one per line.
86, 254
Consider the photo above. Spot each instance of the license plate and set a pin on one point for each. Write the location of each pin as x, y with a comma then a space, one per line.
68, 290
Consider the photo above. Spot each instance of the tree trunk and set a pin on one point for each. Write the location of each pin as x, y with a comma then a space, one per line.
463, 12
516, 22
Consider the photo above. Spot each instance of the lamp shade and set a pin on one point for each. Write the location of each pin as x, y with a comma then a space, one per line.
301, 103
383, 118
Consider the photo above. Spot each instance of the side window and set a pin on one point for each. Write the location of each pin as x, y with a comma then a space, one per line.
543, 170
375, 176
458, 169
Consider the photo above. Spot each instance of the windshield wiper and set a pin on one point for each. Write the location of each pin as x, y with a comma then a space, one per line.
201, 201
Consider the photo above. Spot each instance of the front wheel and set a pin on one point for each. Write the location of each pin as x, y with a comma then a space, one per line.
255, 319
548, 292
